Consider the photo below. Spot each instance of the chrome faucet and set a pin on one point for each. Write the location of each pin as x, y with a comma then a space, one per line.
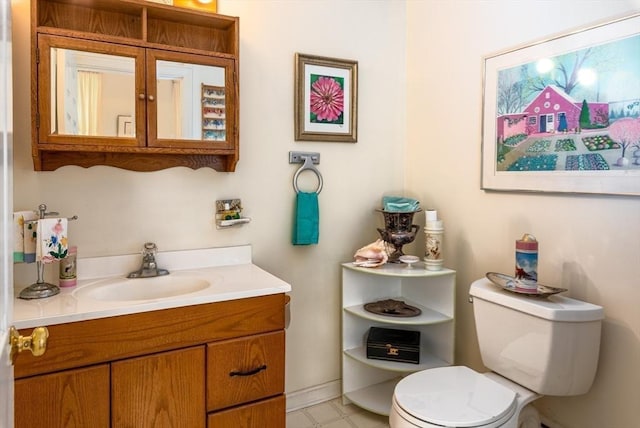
149, 268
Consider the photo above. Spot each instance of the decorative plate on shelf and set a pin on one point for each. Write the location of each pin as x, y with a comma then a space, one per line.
514, 285
392, 308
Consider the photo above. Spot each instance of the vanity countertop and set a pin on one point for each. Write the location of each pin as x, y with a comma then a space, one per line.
229, 270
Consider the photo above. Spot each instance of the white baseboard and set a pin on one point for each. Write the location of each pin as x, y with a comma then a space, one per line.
316, 394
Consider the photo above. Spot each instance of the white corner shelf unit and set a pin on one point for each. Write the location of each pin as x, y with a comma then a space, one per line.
369, 383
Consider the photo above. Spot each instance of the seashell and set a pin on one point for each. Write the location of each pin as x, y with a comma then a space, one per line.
372, 255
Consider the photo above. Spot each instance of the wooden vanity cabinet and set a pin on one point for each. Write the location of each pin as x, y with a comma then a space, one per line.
151, 61
211, 365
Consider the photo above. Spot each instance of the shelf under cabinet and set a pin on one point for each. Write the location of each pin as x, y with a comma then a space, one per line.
428, 316
427, 361
374, 398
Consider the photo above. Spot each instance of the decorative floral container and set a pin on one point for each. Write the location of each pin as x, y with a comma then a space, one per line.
433, 239
398, 230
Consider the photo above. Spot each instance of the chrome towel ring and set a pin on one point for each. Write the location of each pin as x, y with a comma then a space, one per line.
307, 160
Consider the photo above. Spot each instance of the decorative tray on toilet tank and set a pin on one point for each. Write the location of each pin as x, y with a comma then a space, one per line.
510, 283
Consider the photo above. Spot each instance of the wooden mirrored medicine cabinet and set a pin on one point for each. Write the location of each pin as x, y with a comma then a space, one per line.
133, 84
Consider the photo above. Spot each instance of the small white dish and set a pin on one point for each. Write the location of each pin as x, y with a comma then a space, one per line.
409, 260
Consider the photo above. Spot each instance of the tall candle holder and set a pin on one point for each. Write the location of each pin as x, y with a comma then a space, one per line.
398, 231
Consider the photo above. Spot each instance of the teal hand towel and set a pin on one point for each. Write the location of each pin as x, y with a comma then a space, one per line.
399, 204
305, 228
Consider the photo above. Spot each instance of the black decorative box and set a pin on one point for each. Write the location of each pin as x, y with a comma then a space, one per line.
393, 345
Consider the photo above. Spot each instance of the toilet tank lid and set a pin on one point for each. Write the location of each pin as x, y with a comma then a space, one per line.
553, 308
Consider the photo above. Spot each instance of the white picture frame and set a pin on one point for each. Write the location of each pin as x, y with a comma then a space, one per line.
536, 136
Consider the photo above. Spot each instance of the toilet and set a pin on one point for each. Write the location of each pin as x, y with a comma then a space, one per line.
533, 346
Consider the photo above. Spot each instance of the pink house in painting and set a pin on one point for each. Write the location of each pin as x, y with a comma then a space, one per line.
551, 111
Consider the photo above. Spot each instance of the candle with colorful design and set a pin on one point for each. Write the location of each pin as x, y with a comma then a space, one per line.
527, 263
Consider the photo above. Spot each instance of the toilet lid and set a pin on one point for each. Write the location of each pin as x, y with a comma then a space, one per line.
454, 396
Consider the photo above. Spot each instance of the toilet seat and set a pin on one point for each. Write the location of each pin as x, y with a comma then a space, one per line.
453, 397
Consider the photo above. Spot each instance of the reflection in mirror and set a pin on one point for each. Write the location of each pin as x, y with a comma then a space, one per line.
181, 102
89, 91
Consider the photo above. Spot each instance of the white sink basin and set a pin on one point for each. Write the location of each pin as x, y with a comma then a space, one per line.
159, 287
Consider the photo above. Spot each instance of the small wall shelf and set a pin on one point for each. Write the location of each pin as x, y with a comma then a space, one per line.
369, 383
229, 213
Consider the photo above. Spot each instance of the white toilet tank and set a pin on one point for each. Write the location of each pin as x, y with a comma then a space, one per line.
548, 345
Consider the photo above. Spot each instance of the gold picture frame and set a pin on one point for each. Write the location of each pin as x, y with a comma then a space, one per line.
326, 99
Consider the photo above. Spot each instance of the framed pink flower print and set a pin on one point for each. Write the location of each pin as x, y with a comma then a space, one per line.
325, 99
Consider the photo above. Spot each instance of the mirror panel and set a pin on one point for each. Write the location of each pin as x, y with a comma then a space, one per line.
92, 93
190, 101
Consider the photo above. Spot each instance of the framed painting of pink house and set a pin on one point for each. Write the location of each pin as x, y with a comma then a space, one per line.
563, 114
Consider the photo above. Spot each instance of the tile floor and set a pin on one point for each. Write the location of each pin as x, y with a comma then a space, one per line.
332, 414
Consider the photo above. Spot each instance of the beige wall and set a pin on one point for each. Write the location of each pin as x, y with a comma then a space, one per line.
120, 210
408, 52
588, 244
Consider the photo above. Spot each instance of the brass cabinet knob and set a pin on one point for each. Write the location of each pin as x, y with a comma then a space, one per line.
36, 343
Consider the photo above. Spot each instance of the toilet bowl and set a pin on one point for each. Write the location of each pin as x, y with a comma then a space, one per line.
458, 396
533, 347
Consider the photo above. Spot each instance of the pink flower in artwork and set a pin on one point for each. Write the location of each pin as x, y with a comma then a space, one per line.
327, 99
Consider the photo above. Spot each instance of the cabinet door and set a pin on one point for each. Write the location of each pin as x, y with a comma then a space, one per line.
179, 107
70, 399
244, 369
161, 390
270, 413
90, 94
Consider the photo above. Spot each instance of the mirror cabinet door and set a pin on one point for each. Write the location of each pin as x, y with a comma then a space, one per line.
90, 92
192, 101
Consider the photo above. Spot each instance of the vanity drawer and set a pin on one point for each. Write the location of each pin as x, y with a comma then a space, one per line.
269, 413
245, 369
